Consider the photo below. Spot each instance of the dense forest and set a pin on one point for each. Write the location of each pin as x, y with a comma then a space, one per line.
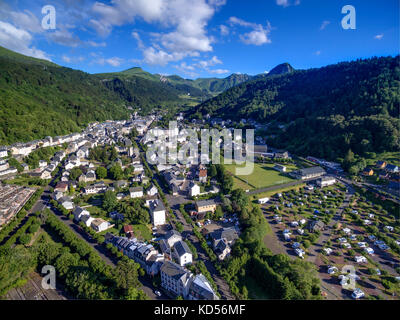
327, 111
39, 98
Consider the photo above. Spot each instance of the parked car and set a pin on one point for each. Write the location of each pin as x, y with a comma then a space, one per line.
158, 293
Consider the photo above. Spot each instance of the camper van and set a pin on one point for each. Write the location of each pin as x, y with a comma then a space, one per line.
263, 200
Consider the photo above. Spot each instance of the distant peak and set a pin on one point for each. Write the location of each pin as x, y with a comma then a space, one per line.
282, 68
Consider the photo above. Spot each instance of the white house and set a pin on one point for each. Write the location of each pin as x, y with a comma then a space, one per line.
152, 191
158, 213
100, 225
182, 253
87, 220
79, 212
42, 163
66, 202
3, 153
136, 192
194, 189
138, 168
326, 181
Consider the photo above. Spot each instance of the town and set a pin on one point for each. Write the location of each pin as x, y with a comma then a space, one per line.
179, 222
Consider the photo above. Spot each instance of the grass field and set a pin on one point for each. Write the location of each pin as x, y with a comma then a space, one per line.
142, 232
263, 176
281, 190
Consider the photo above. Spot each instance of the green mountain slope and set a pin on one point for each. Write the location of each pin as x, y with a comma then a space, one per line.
16, 57
351, 105
39, 98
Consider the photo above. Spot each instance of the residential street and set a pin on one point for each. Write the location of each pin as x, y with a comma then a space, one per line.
223, 287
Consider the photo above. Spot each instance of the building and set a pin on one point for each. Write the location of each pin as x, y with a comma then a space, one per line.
200, 289
136, 192
380, 164
182, 253
128, 230
42, 164
315, 226
222, 248
194, 189
206, 206
99, 225
158, 213
202, 174
280, 168
308, 173
87, 220
152, 191
229, 234
61, 187
175, 279
368, 172
392, 168
144, 254
66, 202
79, 213
326, 181
3, 153
90, 176
281, 155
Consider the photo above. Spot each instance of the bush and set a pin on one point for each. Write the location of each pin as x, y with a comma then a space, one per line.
25, 239
33, 228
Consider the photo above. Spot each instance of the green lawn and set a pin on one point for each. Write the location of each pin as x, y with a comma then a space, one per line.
263, 176
142, 232
281, 190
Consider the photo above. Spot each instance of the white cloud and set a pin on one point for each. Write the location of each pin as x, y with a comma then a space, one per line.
324, 24
187, 69
19, 40
136, 36
379, 36
68, 59
258, 36
287, 3
219, 71
96, 44
205, 64
224, 30
317, 53
26, 20
160, 57
115, 61
65, 38
188, 20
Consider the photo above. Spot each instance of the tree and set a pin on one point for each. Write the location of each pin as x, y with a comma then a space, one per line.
126, 274
75, 173
14, 163
239, 199
25, 238
116, 172
101, 172
110, 201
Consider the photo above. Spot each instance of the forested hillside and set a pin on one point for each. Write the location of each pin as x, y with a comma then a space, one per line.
350, 105
39, 98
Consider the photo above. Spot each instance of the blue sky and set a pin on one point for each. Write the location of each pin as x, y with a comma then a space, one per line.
199, 38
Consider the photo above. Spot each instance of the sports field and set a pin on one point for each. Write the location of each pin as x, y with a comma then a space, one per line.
263, 176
